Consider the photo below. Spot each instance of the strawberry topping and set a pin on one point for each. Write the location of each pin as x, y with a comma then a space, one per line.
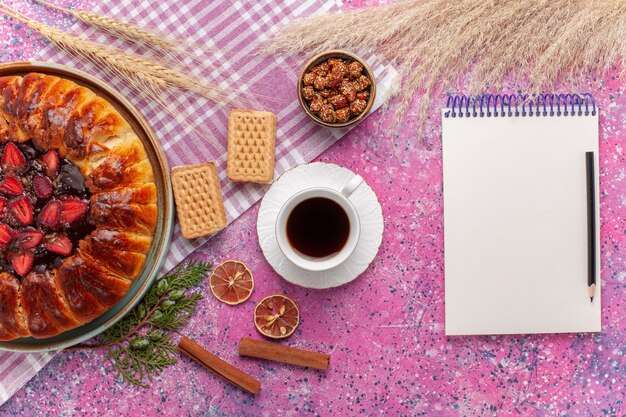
12, 159
50, 215
42, 186
73, 209
50, 163
43, 208
59, 244
6, 235
29, 238
22, 262
22, 210
11, 187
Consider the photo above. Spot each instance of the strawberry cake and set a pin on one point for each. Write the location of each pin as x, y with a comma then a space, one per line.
77, 206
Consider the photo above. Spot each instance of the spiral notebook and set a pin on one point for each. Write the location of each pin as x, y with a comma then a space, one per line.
520, 239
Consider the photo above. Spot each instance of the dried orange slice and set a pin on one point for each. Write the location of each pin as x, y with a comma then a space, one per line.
231, 282
276, 316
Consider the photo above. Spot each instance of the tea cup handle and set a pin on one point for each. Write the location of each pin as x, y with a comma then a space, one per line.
354, 183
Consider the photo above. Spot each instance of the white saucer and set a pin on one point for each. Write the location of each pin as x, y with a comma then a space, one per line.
324, 175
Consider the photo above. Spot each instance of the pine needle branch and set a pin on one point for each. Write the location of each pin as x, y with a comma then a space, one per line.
140, 345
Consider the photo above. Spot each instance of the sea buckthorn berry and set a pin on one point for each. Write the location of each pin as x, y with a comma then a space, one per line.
327, 113
308, 78
338, 101
355, 69
320, 82
342, 115
357, 106
362, 83
363, 95
308, 92
316, 105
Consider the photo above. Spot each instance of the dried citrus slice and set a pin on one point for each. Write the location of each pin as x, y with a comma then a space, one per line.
276, 316
231, 282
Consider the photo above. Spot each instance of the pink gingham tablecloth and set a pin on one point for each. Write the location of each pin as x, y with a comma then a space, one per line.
228, 34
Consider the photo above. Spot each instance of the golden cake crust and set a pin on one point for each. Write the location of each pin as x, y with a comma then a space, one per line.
58, 114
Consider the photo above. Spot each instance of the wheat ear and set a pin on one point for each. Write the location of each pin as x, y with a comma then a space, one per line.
154, 39
136, 70
161, 45
126, 30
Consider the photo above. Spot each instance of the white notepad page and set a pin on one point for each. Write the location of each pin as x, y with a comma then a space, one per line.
515, 225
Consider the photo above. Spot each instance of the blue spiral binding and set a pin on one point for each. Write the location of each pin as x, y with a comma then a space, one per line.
540, 105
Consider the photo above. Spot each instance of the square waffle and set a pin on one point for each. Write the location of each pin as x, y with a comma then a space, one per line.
198, 200
251, 145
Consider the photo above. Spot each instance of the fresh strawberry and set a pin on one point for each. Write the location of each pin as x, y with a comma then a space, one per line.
3, 203
6, 235
13, 159
22, 210
51, 164
59, 244
29, 238
73, 209
50, 215
22, 262
42, 187
11, 186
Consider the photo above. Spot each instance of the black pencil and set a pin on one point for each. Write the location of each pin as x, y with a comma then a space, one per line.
591, 225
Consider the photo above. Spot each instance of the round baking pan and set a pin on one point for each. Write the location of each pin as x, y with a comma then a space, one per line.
165, 203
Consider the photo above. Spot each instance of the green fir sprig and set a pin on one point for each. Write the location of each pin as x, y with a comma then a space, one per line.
140, 344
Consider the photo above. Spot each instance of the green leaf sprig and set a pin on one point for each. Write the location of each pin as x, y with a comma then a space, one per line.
140, 344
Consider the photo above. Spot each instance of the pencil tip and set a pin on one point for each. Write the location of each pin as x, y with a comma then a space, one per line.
591, 299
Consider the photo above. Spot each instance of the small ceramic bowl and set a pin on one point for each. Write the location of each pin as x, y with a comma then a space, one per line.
318, 59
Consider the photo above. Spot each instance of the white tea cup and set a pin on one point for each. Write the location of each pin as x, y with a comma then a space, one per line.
341, 198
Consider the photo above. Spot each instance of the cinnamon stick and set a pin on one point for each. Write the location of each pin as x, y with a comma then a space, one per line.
284, 354
218, 366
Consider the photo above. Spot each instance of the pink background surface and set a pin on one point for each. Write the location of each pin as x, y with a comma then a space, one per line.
385, 330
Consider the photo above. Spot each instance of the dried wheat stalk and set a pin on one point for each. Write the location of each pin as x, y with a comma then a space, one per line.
176, 53
137, 70
157, 42
125, 30
540, 43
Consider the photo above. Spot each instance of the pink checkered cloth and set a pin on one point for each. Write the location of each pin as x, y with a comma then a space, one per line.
231, 31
